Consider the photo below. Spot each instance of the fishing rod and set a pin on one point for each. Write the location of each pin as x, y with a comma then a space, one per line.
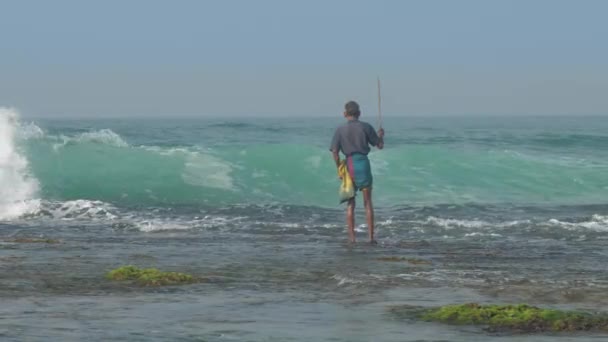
379, 106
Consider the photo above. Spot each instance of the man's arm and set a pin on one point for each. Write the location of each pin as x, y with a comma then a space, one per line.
375, 139
335, 148
336, 155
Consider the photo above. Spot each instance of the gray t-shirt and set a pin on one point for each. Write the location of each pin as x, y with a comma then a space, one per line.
354, 137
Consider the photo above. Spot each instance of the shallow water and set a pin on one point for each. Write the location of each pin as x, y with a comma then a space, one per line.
269, 280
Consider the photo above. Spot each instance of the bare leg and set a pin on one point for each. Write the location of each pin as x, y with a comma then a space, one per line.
350, 219
369, 211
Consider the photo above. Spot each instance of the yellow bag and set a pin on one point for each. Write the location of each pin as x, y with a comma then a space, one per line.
347, 188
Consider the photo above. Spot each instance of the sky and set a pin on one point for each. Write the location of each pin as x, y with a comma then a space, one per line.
147, 58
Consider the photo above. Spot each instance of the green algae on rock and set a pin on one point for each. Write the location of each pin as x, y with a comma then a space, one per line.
516, 318
150, 276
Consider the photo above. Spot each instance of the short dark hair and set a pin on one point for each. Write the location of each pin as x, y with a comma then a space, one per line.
352, 108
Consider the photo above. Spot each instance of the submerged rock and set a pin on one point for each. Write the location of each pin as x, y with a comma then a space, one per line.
409, 260
515, 318
150, 276
32, 240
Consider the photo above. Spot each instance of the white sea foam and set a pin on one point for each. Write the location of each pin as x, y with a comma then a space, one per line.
361, 228
202, 168
207, 171
597, 223
482, 234
29, 130
80, 209
387, 222
454, 223
103, 136
154, 225
17, 187
167, 151
169, 224
344, 280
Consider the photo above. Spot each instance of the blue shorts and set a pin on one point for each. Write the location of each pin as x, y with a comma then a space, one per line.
360, 170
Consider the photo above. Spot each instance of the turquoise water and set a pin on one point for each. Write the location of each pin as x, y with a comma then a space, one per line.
232, 161
502, 210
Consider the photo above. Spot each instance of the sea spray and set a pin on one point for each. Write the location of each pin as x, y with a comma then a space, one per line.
17, 187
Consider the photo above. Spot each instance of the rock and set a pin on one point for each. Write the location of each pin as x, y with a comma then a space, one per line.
150, 276
521, 318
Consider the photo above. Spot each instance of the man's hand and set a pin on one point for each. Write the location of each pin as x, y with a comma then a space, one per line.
336, 156
381, 133
380, 138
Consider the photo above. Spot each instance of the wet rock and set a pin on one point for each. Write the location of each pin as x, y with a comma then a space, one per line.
412, 261
151, 276
32, 240
521, 318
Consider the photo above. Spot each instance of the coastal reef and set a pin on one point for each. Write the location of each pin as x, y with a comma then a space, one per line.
521, 318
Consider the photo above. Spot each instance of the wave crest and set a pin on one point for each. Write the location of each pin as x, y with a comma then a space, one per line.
103, 136
17, 187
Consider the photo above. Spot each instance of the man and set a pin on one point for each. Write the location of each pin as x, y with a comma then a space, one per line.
354, 139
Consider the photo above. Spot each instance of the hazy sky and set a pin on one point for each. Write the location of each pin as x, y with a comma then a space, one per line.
281, 57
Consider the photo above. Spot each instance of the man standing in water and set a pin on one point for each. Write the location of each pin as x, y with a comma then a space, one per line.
354, 139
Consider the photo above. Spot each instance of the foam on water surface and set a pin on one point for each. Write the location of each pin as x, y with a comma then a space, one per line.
18, 189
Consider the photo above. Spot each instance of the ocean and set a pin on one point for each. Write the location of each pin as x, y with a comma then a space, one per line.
498, 209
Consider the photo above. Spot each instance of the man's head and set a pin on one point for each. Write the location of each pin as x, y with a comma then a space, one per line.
351, 110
